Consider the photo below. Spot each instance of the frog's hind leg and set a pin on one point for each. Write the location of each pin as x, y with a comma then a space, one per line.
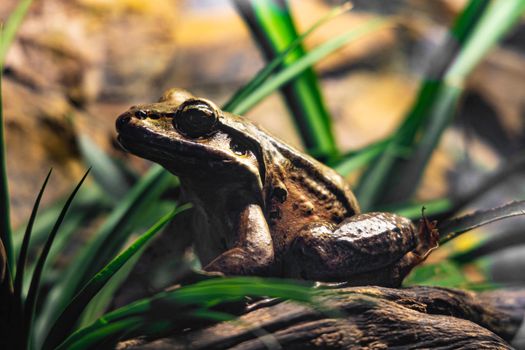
373, 248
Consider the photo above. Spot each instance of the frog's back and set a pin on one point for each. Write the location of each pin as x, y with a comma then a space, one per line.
301, 190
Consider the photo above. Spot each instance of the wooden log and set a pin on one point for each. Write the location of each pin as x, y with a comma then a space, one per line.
365, 318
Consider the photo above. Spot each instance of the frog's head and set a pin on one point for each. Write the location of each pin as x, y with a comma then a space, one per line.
193, 138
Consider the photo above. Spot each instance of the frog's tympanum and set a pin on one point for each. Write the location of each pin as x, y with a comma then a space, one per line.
264, 208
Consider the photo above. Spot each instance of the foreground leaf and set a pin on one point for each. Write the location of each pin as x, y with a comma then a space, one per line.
107, 242
177, 308
106, 172
25, 245
72, 312
5, 218
32, 295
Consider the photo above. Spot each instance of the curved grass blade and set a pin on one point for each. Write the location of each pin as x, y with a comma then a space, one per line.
32, 294
89, 201
374, 183
496, 21
5, 219
268, 69
272, 26
478, 28
357, 159
72, 312
174, 309
99, 304
91, 337
433, 208
19, 278
450, 229
106, 172
309, 59
11, 27
106, 243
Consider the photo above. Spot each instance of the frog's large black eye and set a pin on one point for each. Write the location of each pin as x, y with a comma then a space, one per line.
195, 119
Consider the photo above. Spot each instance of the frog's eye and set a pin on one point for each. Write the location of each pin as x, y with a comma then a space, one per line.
195, 119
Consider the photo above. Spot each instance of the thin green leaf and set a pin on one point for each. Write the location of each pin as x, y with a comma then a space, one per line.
3, 263
32, 294
99, 304
360, 158
11, 27
90, 201
433, 208
173, 309
5, 219
272, 26
106, 172
72, 312
496, 21
107, 242
269, 68
378, 180
90, 337
25, 244
308, 60
477, 29
450, 229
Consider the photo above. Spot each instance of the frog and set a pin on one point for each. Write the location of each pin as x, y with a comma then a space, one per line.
262, 207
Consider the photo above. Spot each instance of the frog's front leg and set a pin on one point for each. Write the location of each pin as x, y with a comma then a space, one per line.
253, 254
372, 248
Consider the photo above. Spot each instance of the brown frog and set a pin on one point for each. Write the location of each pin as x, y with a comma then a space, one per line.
264, 208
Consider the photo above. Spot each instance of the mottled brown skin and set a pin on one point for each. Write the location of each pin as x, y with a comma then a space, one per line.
263, 207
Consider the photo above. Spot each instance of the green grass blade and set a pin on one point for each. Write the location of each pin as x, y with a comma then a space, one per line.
433, 208
498, 18
29, 306
173, 309
357, 159
25, 244
72, 312
11, 27
321, 51
269, 68
380, 182
107, 242
99, 304
394, 177
90, 201
105, 171
91, 337
271, 24
5, 219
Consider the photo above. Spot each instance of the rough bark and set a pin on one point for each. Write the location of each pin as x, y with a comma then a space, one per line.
366, 318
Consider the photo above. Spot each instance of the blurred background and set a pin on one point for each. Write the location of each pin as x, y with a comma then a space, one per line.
75, 65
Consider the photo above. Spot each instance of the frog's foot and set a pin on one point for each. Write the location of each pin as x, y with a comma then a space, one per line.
241, 262
427, 237
194, 276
